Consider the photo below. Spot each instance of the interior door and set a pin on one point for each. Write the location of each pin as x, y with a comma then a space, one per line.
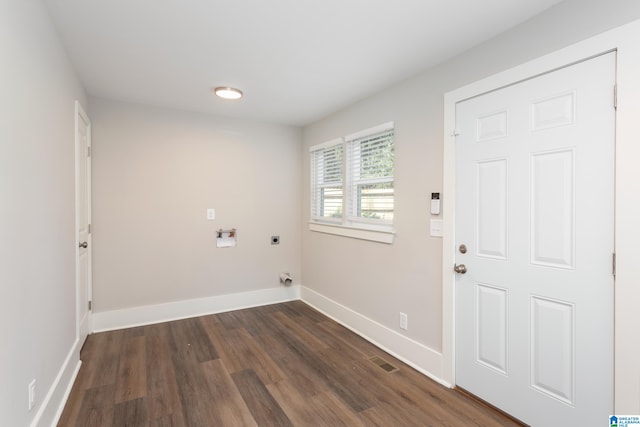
535, 233
83, 221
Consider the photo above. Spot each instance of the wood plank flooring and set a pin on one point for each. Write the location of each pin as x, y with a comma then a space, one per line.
278, 365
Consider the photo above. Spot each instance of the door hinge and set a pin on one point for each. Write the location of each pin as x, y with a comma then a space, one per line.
613, 264
455, 132
615, 97
89, 151
89, 228
89, 305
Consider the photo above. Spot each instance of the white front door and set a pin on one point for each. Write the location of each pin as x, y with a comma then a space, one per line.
534, 210
83, 220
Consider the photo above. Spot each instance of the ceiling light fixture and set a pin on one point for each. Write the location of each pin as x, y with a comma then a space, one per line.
228, 92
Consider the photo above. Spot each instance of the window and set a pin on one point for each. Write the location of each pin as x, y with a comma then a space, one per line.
326, 181
352, 183
370, 177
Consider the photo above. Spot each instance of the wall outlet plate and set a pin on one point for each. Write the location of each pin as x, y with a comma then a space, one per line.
404, 321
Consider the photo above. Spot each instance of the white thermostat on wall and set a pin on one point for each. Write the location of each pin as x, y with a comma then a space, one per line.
435, 203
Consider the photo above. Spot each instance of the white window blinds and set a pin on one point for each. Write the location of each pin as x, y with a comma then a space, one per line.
370, 175
326, 181
352, 179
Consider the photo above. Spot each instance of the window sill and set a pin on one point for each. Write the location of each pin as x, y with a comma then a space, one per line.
381, 236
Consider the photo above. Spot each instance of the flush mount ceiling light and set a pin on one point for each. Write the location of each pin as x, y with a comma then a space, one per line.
228, 92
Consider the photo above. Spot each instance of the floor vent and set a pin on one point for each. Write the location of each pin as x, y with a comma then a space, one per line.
388, 367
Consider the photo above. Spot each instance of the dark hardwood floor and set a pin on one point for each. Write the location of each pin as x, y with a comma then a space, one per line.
278, 365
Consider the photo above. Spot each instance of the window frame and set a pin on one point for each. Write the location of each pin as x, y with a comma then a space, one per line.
350, 225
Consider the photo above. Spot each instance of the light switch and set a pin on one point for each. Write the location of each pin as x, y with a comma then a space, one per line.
211, 214
436, 227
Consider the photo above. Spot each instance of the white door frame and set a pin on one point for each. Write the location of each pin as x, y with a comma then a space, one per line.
625, 40
80, 114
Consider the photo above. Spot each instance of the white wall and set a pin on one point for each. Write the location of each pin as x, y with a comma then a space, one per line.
37, 239
378, 281
155, 172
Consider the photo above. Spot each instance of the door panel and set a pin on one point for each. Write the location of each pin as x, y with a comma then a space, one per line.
552, 348
491, 312
534, 206
492, 209
552, 209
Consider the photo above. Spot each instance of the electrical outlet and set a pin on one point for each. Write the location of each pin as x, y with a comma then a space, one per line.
211, 214
32, 394
404, 321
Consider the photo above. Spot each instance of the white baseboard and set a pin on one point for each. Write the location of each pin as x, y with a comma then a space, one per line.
149, 314
417, 355
53, 403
